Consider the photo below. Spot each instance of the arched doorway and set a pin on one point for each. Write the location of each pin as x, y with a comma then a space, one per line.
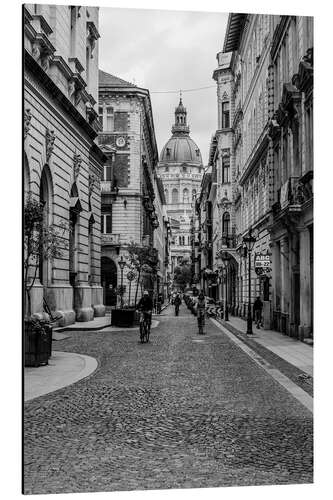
232, 286
109, 281
26, 177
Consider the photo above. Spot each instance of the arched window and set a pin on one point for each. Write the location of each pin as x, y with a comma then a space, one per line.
194, 193
225, 114
185, 196
175, 195
26, 177
226, 224
166, 194
45, 197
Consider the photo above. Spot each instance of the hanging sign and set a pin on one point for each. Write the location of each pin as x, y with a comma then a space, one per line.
262, 263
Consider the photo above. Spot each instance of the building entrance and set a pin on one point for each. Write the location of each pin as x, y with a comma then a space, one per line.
109, 281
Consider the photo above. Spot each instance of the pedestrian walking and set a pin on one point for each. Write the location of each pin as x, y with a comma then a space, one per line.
177, 301
257, 312
201, 311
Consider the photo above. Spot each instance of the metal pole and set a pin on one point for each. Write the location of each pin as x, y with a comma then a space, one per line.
249, 315
129, 293
226, 294
122, 291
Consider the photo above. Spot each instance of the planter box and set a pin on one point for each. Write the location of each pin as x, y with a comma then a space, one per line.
37, 345
124, 317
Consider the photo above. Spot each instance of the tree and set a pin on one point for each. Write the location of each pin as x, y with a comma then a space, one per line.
41, 242
143, 260
182, 276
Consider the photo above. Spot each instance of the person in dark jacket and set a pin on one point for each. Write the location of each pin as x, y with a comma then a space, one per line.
257, 312
177, 301
145, 305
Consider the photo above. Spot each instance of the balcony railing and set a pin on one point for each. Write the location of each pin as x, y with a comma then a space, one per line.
111, 239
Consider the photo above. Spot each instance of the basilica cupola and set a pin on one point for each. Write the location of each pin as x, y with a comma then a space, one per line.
180, 127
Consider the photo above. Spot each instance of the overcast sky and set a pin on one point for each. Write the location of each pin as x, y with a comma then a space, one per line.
167, 50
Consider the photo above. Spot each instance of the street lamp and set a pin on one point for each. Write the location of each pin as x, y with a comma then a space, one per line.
249, 242
122, 264
225, 259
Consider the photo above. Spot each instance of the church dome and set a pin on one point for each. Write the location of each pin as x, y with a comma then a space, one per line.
180, 149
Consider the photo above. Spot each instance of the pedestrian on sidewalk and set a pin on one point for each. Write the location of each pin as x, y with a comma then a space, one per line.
257, 312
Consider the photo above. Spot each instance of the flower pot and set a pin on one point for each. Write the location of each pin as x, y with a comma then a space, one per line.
37, 343
125, 318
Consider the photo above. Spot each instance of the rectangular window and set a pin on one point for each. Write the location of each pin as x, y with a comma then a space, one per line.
106, 222
100, 114
107, 173
225, 115
225, 168
109, 120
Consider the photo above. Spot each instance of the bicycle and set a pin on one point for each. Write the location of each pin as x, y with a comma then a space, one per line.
144, 326
201, 322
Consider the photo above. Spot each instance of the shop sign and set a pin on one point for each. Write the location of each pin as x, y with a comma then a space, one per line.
262, 263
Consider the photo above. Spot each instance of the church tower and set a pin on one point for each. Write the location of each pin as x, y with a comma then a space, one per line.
181, 169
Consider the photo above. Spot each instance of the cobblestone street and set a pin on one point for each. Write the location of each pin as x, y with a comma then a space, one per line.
182, 411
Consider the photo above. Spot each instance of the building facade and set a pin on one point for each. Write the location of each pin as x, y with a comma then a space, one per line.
261, 158
62, 162
180, 169
129, 182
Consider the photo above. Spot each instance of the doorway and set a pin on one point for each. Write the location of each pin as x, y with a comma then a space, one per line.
109, 281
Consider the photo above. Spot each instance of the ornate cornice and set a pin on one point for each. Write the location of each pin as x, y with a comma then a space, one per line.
56, 93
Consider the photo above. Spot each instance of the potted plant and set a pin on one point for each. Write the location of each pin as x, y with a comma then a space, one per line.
41, 242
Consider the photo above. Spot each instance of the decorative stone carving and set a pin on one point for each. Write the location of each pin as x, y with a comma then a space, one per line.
93, 182
77, 160
49, 143
27, 120
42, 51
71, 88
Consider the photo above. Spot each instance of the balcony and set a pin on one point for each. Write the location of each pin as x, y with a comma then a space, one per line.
108, 188
112, 239
293, 194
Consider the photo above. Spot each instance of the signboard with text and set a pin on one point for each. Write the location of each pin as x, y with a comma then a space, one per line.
262, 263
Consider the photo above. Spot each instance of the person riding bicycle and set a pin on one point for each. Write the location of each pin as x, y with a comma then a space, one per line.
177, 303
201, 311
145, 305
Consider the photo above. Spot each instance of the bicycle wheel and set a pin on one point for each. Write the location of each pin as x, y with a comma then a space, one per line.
142, 332
147, 333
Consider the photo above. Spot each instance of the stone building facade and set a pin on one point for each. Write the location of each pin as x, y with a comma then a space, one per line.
62, 162
129, 183
264, 89
180, 169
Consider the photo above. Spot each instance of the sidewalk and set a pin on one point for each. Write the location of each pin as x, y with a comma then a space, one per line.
291, 350
95, 324
64, 368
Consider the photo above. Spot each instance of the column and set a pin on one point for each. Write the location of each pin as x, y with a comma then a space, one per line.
276, 284
285, 284
305, 284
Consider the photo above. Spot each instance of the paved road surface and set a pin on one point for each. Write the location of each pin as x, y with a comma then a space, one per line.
183, 411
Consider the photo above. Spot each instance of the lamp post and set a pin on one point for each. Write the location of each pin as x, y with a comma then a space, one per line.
122, 264
249, 242
225, 257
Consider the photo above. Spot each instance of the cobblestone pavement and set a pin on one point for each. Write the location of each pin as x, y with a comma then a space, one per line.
183, 411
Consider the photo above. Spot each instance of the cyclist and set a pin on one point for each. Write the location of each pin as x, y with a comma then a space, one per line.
177, 303
201, 311
145, 305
